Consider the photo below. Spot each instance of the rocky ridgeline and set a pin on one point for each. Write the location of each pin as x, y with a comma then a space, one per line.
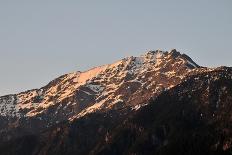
130, 82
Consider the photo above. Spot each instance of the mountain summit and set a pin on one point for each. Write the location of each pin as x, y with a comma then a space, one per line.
123, 83
127, 83
96, 101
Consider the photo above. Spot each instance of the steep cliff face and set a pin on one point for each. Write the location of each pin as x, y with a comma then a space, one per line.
126, 83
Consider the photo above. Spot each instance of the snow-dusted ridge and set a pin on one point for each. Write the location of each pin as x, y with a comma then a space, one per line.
127, 82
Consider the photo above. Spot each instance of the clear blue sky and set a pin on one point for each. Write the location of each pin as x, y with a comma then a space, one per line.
40, 40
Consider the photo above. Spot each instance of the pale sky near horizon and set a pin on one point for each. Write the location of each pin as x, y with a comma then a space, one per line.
41, 40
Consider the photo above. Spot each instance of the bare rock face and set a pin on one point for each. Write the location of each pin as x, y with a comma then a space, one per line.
161, 102
111, 92
128, 82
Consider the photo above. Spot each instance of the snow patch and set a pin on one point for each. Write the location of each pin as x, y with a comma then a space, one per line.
95, 88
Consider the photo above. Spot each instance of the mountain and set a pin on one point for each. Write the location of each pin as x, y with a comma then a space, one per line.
150, 102
193, 117
129, 82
